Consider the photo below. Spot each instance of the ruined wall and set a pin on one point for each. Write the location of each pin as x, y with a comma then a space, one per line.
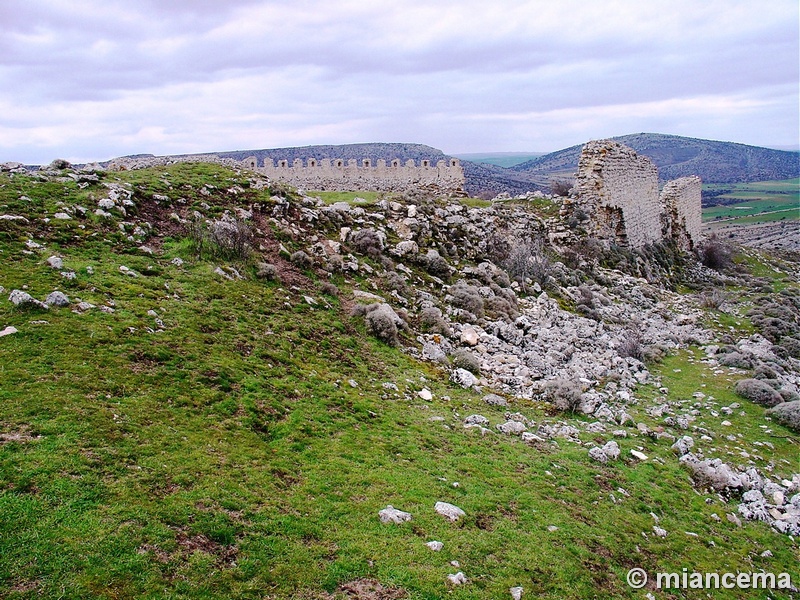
445, 177
682, 217
340, 175
616, 199
618, 190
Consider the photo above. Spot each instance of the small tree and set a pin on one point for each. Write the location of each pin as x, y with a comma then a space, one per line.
528, 260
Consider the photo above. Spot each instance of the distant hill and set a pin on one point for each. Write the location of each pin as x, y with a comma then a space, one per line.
675, 156
500, 159
372, 151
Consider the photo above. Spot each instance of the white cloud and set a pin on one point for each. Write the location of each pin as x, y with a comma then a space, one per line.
94, 79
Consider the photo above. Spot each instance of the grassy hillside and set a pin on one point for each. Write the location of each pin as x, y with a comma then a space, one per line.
181, 432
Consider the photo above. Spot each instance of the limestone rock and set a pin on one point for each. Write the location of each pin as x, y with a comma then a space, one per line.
450, 511
24, 299
435, 546
457, 578
392, 515
55, 262
683, 445
57, 298
512, 428
463, 378
495, 400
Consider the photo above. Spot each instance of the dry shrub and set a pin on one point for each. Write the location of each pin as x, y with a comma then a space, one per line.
715, 254
381, 321
467, 297
301, 260
560, 187
230, 238
759, 392
435, 264
563, 394
431, 320
787, 414
528, 261
464, 359
367, 242
268, 271
631, 345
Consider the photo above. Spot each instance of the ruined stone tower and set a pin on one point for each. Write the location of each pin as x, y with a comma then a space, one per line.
617, 199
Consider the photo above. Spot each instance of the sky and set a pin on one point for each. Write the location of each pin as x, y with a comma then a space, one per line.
90, 80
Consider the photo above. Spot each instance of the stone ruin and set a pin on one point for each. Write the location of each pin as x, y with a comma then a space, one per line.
445, 177
617, 201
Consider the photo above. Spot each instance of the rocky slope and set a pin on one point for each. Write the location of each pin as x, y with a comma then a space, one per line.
217, 386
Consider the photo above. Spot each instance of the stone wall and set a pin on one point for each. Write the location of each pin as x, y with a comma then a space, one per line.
617, 201
682, 219
445, 177
340, 175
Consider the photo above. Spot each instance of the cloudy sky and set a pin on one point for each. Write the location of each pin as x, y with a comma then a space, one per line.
93, 79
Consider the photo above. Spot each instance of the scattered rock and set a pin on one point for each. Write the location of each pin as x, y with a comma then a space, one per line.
463, 378
450, 511
495, 400
24, 299
683, 445
57, 298
469, 336
435, 546
392, 515
55, 262
457, 578
476, 420
512, 428
712, 473
609, 451
516, 592
8, 331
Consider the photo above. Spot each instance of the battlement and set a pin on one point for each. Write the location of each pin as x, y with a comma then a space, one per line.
348, 175
444, 177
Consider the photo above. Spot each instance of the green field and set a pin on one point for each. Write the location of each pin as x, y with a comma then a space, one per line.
501, 159
755, 202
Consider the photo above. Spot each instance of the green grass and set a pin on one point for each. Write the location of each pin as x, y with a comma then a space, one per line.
367, 197
756, 202
225, 455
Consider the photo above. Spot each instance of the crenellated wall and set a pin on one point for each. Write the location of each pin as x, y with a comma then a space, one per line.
444, 177
341, 175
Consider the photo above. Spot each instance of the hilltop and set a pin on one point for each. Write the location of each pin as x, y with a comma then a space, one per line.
675, 156
218, 387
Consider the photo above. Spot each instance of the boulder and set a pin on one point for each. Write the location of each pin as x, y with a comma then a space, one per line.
25, 300
463, 378
448, 510
787, 414
392, 515
57, 298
